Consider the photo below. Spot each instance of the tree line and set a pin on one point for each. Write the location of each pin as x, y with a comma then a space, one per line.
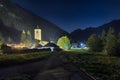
108, 43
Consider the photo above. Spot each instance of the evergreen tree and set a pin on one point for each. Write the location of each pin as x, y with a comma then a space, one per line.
23, 37
1, 42
29, 36
9, 40
94, 43
118, 46
28, 39
64, 42
103, 38
111, 44
118, 38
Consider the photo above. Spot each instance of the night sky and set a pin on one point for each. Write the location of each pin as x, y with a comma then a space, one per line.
72, 14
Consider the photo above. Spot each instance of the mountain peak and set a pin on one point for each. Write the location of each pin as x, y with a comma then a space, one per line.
84, 34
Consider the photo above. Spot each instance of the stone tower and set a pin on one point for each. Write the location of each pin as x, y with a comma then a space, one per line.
37, 33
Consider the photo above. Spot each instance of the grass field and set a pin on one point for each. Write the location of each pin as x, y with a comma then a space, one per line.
14, 59
102, 67
78, 51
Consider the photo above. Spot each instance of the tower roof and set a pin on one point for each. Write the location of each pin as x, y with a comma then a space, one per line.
37, 27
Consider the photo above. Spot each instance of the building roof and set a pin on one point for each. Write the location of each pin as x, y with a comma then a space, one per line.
51, 45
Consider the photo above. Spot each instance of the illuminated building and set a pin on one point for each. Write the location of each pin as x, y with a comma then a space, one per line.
38, 36
37, 33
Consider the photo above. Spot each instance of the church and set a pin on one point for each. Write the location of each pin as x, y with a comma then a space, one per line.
37, 41
38, 36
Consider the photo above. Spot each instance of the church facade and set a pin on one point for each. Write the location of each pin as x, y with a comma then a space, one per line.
38, 36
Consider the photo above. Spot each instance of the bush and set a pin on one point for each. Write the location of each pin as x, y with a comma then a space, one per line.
64, 42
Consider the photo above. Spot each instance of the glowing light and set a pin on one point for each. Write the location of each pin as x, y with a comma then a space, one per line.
82, 45
43, 43
16, 46
37, 33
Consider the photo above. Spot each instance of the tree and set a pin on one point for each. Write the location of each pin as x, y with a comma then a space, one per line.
64, 42
29, 36
103, 38
28, 40
23, 37
111, 44
118, 46
119, 38
9, 40
1, 42
94, 43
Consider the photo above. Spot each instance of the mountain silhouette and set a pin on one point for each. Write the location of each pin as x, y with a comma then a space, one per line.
14, 19
82, 35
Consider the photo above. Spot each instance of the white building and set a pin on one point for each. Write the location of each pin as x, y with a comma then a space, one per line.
38, 36
37, 33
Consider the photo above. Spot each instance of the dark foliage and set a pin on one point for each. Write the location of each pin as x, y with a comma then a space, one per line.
118, 44
111, 44
94, 43
108, 44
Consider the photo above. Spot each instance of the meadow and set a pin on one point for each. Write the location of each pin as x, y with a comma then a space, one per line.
100, 66
7, 60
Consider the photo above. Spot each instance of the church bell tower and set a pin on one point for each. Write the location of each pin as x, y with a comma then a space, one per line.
37, 33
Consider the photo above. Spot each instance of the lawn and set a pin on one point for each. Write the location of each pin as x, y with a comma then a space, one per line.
78, 51
21, 58
101, 67
7, 60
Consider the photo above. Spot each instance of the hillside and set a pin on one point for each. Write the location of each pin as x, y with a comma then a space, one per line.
82, 35
13, 19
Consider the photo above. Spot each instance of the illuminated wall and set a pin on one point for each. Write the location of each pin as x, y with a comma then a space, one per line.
37, 34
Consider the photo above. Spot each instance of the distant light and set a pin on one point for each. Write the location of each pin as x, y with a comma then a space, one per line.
82, 45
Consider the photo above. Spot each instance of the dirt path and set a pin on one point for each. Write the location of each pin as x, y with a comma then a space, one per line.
56, 67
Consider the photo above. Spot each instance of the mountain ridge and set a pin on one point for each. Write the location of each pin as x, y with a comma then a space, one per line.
14, 16
84, 34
